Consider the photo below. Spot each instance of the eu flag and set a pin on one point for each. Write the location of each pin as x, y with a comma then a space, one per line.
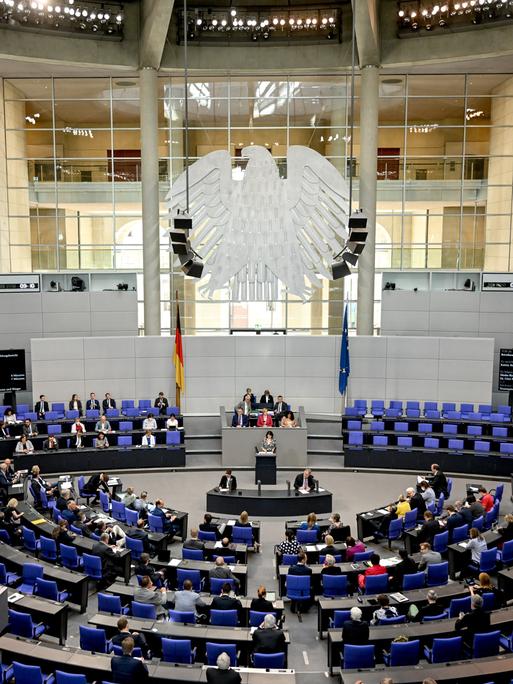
345, 369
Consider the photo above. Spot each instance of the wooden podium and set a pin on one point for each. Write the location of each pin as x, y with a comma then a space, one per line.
265, 468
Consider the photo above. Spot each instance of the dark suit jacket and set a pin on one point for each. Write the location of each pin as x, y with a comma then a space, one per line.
439, 483
93, 404
194, 544
137, 533
267, 400
225, 602
94, 483
139, 641
41, 407
262, 605
54, 447
454, 520
106, 554
79, 404
233, 482
235, 420
418, 502
331, 570
268, 641
161, 404
4, 485
355, 632
281, 407
428, 531
298, 482
475, 622
105, 404
215, 676
127, 670
299, 569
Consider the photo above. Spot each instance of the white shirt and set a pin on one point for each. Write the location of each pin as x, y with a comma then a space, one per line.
75, 426
171, 422
10, 419
148, 440
149, 424
28, 446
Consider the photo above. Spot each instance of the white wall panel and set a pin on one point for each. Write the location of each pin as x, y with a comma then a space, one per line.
259, 345
73, 324
312, 367
259, 365
205, 367
453, 321
210, 346
110, 348
453, 369
412, 348
421, 369
96, 369
367, 367
307, 346
366, 345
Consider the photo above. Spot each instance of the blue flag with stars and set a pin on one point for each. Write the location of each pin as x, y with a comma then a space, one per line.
343, 376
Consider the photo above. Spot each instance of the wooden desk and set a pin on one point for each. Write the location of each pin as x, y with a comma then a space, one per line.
459, 557
226, 525
52, 614
349, 569
312, 554
240, 571
240, 552
364, 523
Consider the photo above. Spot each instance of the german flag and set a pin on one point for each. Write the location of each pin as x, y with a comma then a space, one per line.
178, 353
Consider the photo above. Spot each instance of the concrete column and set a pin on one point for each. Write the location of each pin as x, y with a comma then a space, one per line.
150, 199
369, 101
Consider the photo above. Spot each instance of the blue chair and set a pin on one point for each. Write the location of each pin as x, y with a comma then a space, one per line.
131, 412
404, 442
376, 584
499, 431
105, 502
107, 603
4, 536
506, 448
453, 415
400, 427
432, 414
395, 620
126, 426
467, 408
298, 588
269, 660
499, 492
449, 487
485, 408
144, 610
132, 517
377, 407
459, 534
192, 554
118, 510
83, 494
214, 651
505, 409
307, 536
412, 413
256, 617
358, 657
489, 601
430, 406
47, 503
216, 585
48, 589
355, 438
487, 562
403, 654
334, 585
20, 624
362, 556
416, 580
448, 406
437, 574
410, 520
48, 549
339, 617
125, 441
173, 437
54, 429
395, 531
478, 523
456, 444
393, 412
92, 414
431, 443
444, 650
449, 429
207, 536
178, 651
380, 440
173, 409
30, 573
155, 523
69, 557
482, 446
224, 618
475, 430
395, 404
67, 678
92, 566
425, 427
112, 413
431, 618
30, 674
29, 540
58, 407
497, 418
127, 403
242, 535
7, 578
440, 542
505, 555
144, 404
52, 415
354, 425
72, 414
289, 559
93, 639
118, 650
135, 546
337, 557
361, 406
491, 517
185, 617
413, 405
459, 605
350, 412
486, 645
193, 575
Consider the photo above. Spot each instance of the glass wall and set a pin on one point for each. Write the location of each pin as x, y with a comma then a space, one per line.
445, 175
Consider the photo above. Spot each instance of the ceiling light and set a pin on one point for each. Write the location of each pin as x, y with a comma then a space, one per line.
233, 12
282, 22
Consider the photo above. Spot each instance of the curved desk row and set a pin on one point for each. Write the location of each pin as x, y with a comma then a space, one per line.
272, 502
112, 459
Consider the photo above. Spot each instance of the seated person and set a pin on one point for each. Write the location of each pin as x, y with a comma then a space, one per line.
311, 524
475, 622
305, 481
172, 422
193, 542
123, 632
148, 439
288, 420
432, 608
476, 507
225, 601
63, 499
264, 419
78, 427
101, 441
29, 430
337, 529
188, 601
268, 445
108, 402
228, 481
416, 501
267, 398
147, 592
329, 567
330, 546
222, 571
82, 524
208, 526
149, 423
75, 404
239, 418
70, 513
102, 424
485, 586
427, 492
223, 674
261, 604
125, 668
476, 545
10, 417
453, 519
143, 567
138, 532
168, 519
24, 446
37, 483
353, 546
92, 404
403, 506
161, 403
300, 568
385, 610
51, 444
429, 528
268, 638
129, 498
290, 545
486, 499
383, 524
375, 569
246, 405
406, 566
11, 514
243, 520
61, 535
428, 557
226, 549
141, 504
355, 631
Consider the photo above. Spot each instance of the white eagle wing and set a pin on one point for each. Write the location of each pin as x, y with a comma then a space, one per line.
210, 200
318, 202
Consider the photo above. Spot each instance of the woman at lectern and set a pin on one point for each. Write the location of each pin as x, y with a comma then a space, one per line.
268, 445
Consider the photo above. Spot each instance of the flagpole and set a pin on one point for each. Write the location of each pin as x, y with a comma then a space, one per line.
177, 387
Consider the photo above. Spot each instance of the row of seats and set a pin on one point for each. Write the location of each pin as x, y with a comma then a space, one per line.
173, 437
23, 411
446, 428
355, 439
377, 408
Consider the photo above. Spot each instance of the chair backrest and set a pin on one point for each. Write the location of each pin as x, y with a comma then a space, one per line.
125, 440
92, 566
380, 440
131, 412
416, 580
410, 519
446, 650
105, 502
214, 650
144, 610
298, 586
430, 406
68, 678
155, 523
413, 413
489, 602
376, 584
118, 650
107, 603
173, 437
395, 528
437, 573
92, 414
474, 430
47, 589
432, 414
69, 556
339, 617
192, 554
206, 536
225, 618
440, 542
269, 660
216, 584
177, 651
354, 424
506, 448
450, 429
507, 552
401, 427
307, 536
48, 548
425, 427
448, 406
256, 617
358, 657
184, 616
466, 408
135, 546
456, 444
31, 572
92, 639
453, 415
499, 492
118, 510
131, 517
227, 559
480, 445
363, 556
27, 674
54, 429
393, 412
112, 413
242, 535
394, 620
29, 538
173, 409
431, 442
485, 408
405, 442
127, 403
459, 533
396, 404
126, 425
337, 557
487, 562
404, 653
478, 523
486, 645
413, 405
193, 575
334, 585
355, 438
504, 409
499, 431
458, 605
144, 404
432, 618
289, 559
21, 624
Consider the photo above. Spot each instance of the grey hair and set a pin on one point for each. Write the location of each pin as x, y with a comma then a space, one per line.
223, 661
432, 595
269, 621
329, 560
356, 613
477, 601
410, 491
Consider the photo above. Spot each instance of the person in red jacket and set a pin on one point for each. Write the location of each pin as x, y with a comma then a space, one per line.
264, 419
487, 499
375, 569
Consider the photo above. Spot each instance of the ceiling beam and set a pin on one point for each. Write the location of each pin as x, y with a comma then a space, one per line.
367, 32
155, 19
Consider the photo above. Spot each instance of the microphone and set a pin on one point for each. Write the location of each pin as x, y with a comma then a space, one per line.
259, 483
317, 486
288, 487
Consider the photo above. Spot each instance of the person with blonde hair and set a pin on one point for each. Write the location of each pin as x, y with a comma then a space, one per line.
403, 506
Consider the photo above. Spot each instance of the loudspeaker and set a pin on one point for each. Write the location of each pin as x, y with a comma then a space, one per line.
358, 235
350, 257
193, 268
355, 247
358, 220
178, 242
182, 223
340, 269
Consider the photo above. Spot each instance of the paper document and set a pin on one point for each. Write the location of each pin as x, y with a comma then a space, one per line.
66, 485
174, 562
383, 511
223, 490
231, 523
218, 545
304, 491
310, 548
463, 545
321, 489
15, 597
390, 562
320, 547
400, 598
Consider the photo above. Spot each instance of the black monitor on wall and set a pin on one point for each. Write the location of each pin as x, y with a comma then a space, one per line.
13, 374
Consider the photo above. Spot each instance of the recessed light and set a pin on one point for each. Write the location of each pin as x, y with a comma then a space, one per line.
125, 84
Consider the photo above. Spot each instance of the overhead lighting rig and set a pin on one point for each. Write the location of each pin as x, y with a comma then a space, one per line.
423, 16
65, 16
241, 24
353, 248
191, 262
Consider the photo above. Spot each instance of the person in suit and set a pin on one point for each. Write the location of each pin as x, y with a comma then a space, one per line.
97, 483
261, 604
475, 622
161, 403
454, 519
246, 405
228, 481
138, 532
225, 601
223, 674
305, 481
37, 483
329, 567
82, 524
29, 429
4, 431
51, 444
125, 668
5, 483
264, 419
124, 632
109, 561
300, 568
252, 398
75, 404
280, 408
208, 526
108, 402
429, 528
433, 607
267, 398
148, 593
416, 501
143, 568
193, 542
428, 557
92, 404
437, 480
239, 419
148, 439
268, 638
188, 601
102, 424
222, 571
355, 631
42, 406
168, 519
226, 549
63, 500
70, 513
